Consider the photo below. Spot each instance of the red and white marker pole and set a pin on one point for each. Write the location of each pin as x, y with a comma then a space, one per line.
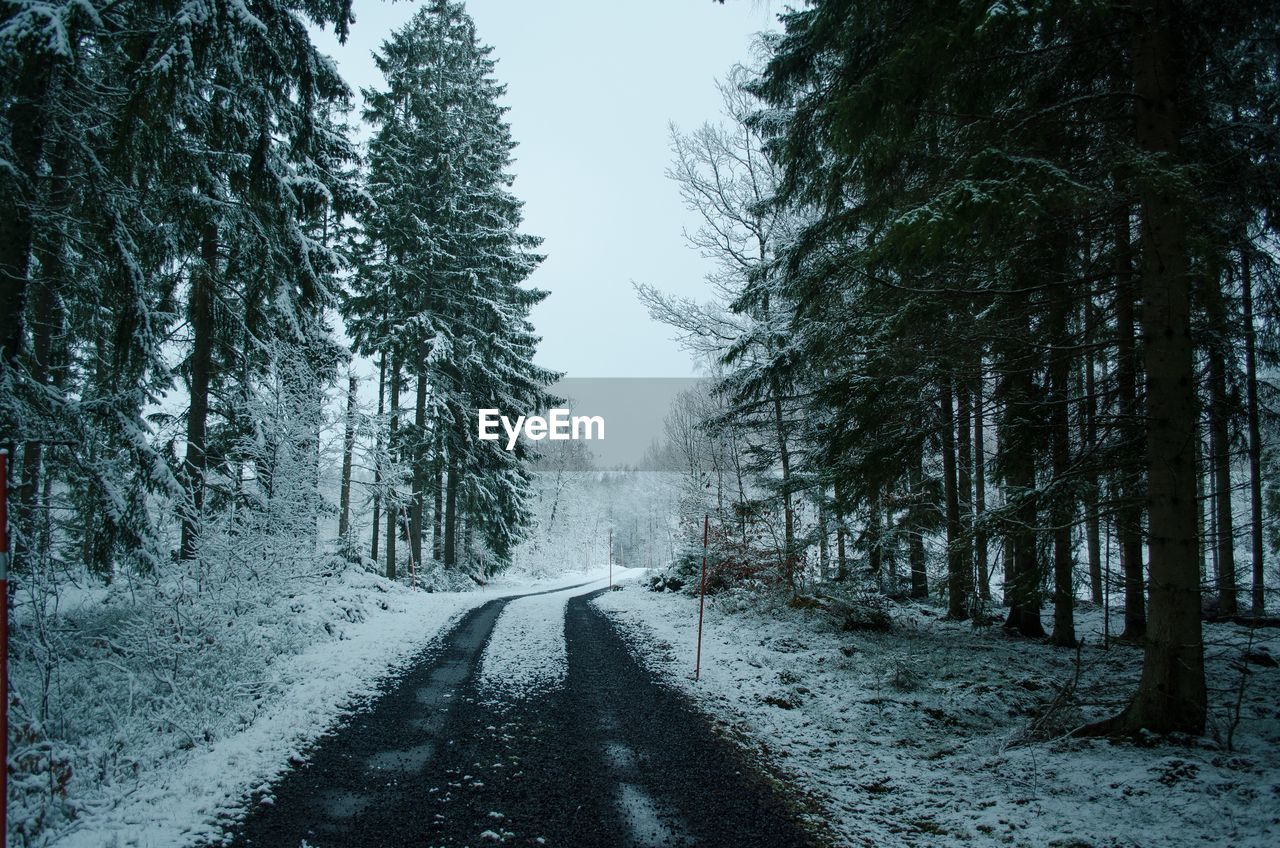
4, 646
702, 595
611, 560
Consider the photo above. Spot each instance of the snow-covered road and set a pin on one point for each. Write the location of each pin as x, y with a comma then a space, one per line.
531, 724
526, 653
190, 797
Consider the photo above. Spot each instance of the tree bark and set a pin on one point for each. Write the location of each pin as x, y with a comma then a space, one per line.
437, 496
377, 457
1006, 563
788, 520
46, 326
1171, 694
1129, 509
957, 595
983, 568
964, 481
1018, 446
824, 556
915, 542
468, 532
1257, 599
842, 563
393, 503
203, 282
1063, 507
1220, 439
875, 562
95, 544
348, 448
419, 469
1206, 531
451, 512
1089, 441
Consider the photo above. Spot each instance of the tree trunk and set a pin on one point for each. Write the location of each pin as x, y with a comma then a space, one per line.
875, 564
1205, 499
824, 557
788, 520
50, 251
957, 596
94, 544
741, 505
419, 469
1089, 440
842, 562
889, 554
983, 569
1129, 509
437, 497
1018, 446
348, 448
1063, 508
377, 457
915, 541
1257, 599
964, 482
1006, 564
1220, 439
1171, 694
468, 531
451, 512
201, 368
393, 502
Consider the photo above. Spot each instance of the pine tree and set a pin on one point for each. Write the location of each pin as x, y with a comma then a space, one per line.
179, 187
440, 286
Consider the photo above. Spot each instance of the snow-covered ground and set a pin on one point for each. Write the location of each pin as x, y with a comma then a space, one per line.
526, 653
942, 734
177, 801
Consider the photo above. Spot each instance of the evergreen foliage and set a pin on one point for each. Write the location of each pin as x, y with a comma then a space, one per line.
439, 289
1024, 241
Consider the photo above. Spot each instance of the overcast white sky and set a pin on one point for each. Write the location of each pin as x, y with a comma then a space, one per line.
592, 85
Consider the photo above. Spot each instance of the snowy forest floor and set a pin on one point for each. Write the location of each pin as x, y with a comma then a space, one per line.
939, 733
326, 649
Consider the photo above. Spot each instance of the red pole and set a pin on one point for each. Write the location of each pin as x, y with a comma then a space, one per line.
611, 558
4, 647
702, 595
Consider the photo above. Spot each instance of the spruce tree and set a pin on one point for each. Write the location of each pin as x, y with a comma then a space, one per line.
441, 284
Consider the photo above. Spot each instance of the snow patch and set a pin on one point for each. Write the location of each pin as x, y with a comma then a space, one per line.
941, 734
526, 653
189, 796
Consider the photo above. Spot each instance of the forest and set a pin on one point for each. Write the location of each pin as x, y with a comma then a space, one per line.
992, 330
1002, 274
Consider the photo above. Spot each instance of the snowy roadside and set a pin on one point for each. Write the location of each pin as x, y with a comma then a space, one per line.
526, 653
939, 734
182, 799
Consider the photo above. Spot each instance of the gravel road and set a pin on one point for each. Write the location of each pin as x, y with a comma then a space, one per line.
612, 758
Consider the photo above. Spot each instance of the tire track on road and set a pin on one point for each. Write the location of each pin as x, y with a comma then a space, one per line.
611, 758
